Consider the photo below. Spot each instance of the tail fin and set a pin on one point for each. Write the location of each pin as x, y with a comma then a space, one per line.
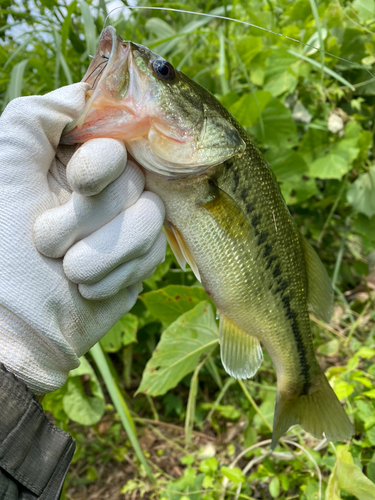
318, 412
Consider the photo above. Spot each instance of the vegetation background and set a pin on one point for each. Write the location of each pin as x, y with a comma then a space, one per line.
152, 410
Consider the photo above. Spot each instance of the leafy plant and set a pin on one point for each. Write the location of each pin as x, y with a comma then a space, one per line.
195, 431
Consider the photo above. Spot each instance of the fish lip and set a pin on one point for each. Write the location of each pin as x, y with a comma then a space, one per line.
98, 70
107, 47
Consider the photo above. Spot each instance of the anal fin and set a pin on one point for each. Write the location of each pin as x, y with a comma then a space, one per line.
241, 353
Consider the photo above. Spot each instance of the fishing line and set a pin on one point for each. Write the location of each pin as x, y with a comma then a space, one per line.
251, 25
98, 66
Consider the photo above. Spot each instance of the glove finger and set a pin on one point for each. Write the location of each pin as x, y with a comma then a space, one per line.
96, 164
127, 274
130, 235
57, 229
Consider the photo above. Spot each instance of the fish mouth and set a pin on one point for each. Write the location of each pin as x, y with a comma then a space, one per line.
118, 90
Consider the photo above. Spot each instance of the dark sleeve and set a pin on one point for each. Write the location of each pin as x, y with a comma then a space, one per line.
34, 453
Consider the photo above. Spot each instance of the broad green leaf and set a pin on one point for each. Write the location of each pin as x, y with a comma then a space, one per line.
84, 409
365, 352
234, 474
248, 47
130, 327
349, 478
287, 165
275, 128
279, 84
279, 77
274, 487
249, 107
361, 194
314, 144
168, 303
334, 165
371, 470
340, 157
365, 227
364, 410
343, 389
180, 348
53, 402
209, 466
353, 45
296, 192
124, 332
365, 9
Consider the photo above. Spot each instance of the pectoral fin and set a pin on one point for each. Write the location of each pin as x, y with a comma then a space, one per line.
181, 250
241, 353
319, 287
173, 243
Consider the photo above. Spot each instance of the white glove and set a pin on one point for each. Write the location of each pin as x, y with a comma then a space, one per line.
98, 243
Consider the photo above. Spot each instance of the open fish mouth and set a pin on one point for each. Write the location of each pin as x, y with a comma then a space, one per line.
115, 95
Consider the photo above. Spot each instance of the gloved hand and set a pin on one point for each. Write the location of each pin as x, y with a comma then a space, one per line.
71, 263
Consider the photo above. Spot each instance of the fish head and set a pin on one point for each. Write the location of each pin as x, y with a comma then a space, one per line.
170, 124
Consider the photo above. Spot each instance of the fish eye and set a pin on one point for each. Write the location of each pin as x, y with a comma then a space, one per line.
163, 69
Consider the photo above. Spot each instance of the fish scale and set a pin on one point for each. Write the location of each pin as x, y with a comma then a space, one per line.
226, 217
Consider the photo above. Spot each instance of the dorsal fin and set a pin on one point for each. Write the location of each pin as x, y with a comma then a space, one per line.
241, 353
319, 287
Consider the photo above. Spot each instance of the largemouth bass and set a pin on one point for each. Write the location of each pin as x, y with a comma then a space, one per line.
225, 217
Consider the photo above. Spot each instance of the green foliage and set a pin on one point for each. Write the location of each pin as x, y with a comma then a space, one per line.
169, 303
181, 346
123, 333
347, 476
312, 116
78, 406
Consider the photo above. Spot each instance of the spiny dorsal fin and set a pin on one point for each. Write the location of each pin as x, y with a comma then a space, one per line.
181, 250
241, 353
319, 287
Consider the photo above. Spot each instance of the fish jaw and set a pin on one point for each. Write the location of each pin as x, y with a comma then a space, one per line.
120, 103
167, 126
